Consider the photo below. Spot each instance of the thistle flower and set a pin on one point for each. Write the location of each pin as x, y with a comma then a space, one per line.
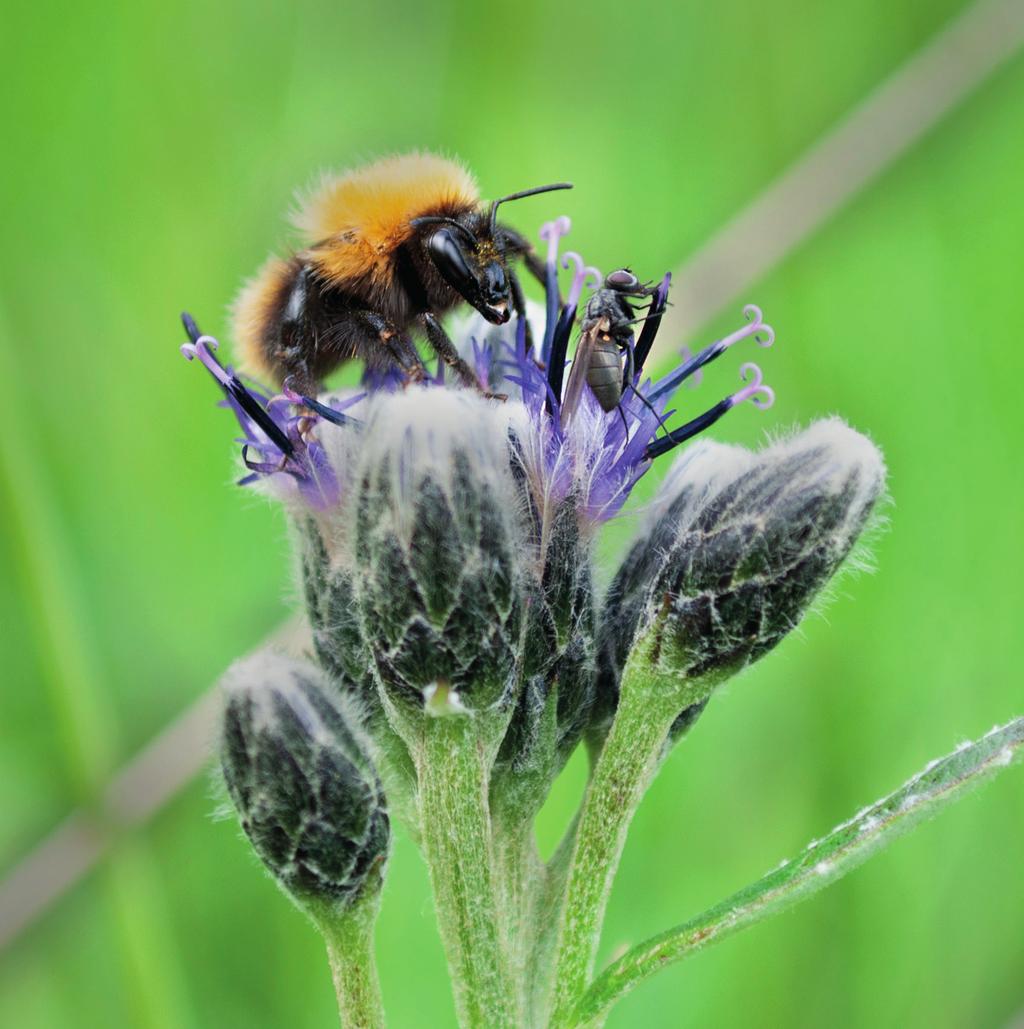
371, 476
298, 772
566, 446
446, 550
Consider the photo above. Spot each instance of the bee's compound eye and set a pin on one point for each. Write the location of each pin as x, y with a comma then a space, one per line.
447, 255
622, 279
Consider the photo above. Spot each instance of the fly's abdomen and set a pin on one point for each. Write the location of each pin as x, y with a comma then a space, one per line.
604, 373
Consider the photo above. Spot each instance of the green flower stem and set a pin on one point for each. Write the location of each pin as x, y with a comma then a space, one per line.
349, 939
544, 935
628, 762
519, 877
821, 863
452, 765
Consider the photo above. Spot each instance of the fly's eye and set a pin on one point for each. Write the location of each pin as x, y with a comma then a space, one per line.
622, 279
450, 261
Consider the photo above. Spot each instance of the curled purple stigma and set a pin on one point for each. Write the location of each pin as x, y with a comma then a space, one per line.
551, 232
580, 276
763, 335
759, 394
203, 348
241, 399
757, 326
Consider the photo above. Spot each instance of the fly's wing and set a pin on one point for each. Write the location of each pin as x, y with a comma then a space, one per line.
580, 365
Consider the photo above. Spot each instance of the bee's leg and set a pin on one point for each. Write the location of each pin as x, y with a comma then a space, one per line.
404, 353
400, 348
445, 350
292, 358
519, 306
296, 375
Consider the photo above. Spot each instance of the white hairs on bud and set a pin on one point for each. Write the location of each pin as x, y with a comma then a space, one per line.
260, 676
849, 451
707, 467
421, 432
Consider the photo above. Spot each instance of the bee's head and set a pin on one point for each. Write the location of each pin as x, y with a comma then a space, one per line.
472, 266
467, 254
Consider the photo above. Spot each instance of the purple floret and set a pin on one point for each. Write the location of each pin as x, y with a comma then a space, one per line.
574, 447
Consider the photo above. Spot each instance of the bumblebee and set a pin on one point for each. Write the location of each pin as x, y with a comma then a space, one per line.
392, 247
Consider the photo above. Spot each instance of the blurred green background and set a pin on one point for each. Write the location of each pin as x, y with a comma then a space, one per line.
150, 152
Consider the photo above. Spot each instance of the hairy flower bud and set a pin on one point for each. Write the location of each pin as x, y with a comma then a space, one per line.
329, 589
439, 551
298, 773
738, 545
558, 663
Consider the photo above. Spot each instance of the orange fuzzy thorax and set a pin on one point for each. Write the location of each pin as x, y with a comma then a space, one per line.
355, 221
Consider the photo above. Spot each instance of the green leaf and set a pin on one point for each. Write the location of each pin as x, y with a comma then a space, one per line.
821, 862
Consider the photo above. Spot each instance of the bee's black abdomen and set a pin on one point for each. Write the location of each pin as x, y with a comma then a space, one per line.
294, 326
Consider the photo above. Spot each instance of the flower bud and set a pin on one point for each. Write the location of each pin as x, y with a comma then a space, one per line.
737, 547
439, 551
298, 772
558, 658
329, 589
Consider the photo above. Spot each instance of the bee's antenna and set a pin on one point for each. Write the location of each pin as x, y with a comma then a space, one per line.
524, 193
437, 219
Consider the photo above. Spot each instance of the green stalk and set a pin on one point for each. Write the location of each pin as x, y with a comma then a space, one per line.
624, 771
453, 765
519, 877
349, 940
821, 863
544, 929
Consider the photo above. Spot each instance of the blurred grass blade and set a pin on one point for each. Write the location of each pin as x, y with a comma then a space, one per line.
855, 151
821, 862
141, 787
70, 669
